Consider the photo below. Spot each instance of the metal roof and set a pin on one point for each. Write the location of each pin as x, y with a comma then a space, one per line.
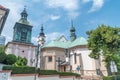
67, 44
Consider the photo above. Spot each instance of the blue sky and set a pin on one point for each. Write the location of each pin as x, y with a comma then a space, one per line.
56, 16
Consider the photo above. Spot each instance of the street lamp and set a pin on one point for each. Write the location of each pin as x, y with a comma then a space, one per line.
41, 41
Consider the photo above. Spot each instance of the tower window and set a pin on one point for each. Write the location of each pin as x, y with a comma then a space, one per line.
23, 36
49, 58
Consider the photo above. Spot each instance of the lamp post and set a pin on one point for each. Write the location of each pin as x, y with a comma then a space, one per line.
41, 41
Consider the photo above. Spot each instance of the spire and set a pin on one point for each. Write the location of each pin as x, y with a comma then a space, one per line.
72, 29
41, 31
72, 32
24, 14
41, 37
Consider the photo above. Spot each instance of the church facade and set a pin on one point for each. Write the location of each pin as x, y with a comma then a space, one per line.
70, 56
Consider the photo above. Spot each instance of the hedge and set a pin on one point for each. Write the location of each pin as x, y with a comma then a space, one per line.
111, 77
20, 70
47, 72
31, 70
68, 74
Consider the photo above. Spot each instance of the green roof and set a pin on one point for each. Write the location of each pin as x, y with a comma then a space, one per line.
24, 22
67, 44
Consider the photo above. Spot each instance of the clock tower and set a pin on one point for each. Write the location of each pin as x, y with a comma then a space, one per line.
22, 29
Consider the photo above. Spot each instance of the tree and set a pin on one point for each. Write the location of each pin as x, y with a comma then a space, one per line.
20, 62
10, 59
104, 39
2, 54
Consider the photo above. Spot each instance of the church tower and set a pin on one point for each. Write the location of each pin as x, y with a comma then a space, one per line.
22, 29
21, 44
72, 32
41, 37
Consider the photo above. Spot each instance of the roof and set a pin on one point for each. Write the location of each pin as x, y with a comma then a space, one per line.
24, 22
67, 44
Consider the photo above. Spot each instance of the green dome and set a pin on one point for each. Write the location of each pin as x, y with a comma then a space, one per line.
22, 21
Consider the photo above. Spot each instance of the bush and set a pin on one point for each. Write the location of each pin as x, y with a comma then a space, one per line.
10, 59
2, 57
47, 72
20, 62
111, 77
68, 74
31, 70
20, 70
2, 54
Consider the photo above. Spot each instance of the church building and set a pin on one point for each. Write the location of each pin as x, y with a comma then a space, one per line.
21, 44
70, 56
60, 54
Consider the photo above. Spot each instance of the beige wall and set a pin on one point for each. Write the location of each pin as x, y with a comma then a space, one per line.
88, 65
55, 53
23, 50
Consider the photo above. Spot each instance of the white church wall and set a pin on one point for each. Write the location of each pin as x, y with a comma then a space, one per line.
87, 64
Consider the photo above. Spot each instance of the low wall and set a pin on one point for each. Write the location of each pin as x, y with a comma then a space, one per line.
8, 76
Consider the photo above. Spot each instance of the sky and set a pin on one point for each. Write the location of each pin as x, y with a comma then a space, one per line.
56, 16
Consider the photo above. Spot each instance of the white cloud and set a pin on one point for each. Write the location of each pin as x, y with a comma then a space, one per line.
85, 1
53, 36
73, 15
8, 38
97, 4
34, 40
71, 6
65, 4
54, 17
14, 15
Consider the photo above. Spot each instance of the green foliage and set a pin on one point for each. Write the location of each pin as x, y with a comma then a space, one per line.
20, 70
31, 70
111, 77
2, 57
10, 59
68, 74
47, 72
104, 40
20, 62
2, 54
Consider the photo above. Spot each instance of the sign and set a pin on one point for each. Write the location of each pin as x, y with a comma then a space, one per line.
78, 68
3, 76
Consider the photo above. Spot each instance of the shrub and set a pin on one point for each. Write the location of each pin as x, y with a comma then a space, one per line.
111, 77
20, 70
31, 70
68, 74
2, 56
20, 62
47, 72
10, 59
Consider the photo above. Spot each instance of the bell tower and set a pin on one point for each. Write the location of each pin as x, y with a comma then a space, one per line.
22, 29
